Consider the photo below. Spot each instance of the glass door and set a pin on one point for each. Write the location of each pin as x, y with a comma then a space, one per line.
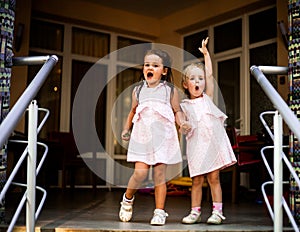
228, 74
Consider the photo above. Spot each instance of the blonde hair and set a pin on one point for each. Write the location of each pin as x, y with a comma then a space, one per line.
186, 73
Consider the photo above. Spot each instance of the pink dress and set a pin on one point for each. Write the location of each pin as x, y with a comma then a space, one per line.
208, 146
154, 137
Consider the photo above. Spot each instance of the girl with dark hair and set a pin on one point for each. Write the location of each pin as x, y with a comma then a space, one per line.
153, 140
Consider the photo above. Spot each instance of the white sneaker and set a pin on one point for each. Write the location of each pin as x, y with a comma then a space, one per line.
193, 217
126, 210
215, 218
159, 217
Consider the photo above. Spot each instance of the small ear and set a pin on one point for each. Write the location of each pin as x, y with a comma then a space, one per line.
184, 85
165, 71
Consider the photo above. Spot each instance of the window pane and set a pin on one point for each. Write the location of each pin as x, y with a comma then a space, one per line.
228, 36
79, 69
263, 25
132, 54
90, 43
191, 44
259, 101
229, 83
49, 95
46, 35
125, 82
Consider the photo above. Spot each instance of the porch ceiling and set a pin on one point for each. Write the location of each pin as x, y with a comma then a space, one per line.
151, 8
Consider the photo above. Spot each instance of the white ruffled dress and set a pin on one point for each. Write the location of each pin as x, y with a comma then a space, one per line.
154, 137
208, 146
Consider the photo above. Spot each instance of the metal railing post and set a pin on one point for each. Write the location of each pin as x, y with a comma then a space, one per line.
278, 211
31, 166
7, 126
11, 120
293, 123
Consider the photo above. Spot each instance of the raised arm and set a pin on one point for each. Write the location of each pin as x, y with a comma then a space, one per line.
128, 125
208, 69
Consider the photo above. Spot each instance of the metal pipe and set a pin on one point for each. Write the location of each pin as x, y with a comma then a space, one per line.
294, 124
17, 213
23, 156
274, 70
277, 159
287, 114
31, 166
29, 60
285, 159
11, 120
13, 174
266, 198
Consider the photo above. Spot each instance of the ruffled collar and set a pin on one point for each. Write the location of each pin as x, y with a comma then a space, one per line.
195, 100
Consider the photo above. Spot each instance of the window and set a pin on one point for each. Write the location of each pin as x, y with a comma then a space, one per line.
259, 101
90, 43
49, 95
128, 53
262, 25
191, 44
228, 36
46, 35
229, 84
126, 81
85, 52
240, 93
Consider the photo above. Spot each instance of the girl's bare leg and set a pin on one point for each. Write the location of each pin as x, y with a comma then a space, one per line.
160, 188
139, 175
217, 216
213, 179
196, 194
196, 198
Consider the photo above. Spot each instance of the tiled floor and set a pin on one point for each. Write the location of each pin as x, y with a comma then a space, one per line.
86, 210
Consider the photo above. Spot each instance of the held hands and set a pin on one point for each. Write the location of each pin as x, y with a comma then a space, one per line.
185, 128
125, 135
203, 49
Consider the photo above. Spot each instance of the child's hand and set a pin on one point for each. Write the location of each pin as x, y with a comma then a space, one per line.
185, 128
125, 135
203, 49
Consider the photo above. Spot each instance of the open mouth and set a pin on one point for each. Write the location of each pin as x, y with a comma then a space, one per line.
149, 74
197, 88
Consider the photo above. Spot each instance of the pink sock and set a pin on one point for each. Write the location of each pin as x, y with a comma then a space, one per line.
218, 206
197, 209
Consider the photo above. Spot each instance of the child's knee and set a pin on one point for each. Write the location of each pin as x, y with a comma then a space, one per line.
139, 175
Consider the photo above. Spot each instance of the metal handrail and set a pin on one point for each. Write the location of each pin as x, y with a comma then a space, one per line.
287, 114
289, 166
7, 126
13, 117
285, 159
282, 111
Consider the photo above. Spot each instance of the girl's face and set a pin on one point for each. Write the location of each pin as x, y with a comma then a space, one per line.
195, 82
153, 70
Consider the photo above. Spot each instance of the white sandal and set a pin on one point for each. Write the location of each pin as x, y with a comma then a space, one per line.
193, 217
159, 217
126, 210
216, 218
